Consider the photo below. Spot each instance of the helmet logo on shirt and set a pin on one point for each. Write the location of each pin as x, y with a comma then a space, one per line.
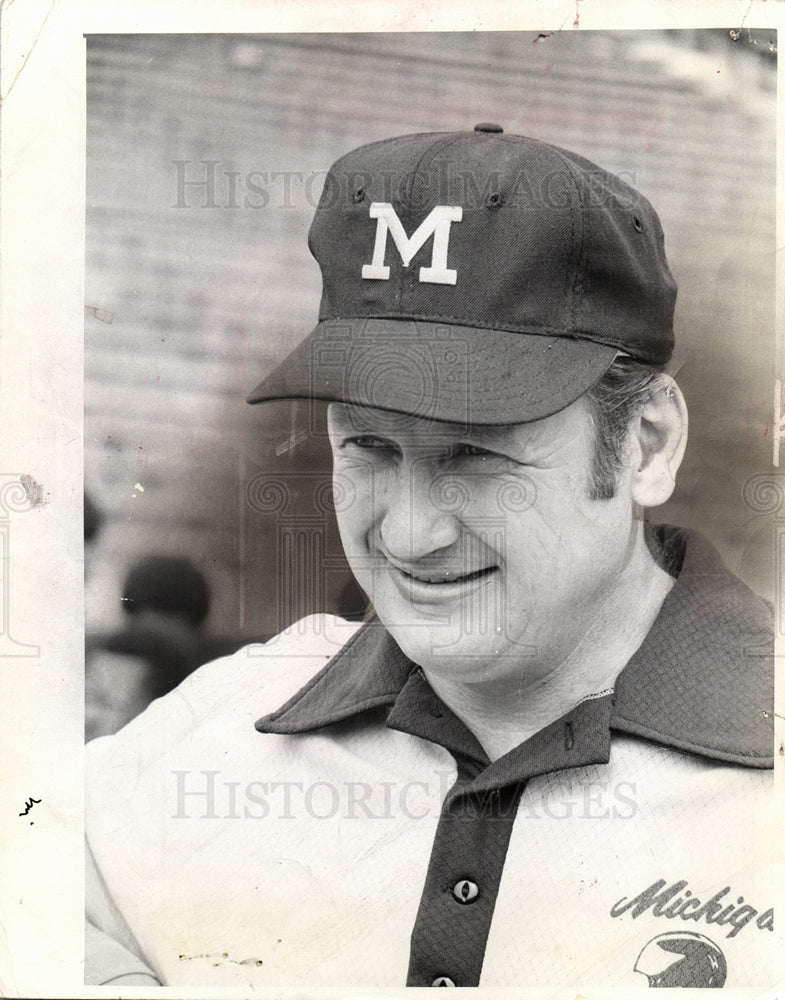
682, 958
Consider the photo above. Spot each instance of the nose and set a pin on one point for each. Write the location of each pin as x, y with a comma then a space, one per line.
412, 523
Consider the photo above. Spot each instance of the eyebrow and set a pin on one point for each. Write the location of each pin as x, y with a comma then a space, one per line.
491, 432
498, 435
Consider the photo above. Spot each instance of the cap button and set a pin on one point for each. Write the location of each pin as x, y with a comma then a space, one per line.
488, 127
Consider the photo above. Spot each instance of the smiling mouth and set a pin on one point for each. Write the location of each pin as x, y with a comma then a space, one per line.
441, 579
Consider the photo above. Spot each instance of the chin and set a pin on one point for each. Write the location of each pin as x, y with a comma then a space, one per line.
442, 646
432, 633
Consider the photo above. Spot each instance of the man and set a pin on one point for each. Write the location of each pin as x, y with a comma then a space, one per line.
542, 761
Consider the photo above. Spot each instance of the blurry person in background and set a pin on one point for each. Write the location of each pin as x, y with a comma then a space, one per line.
166, 601
170, 597
124, 672
93, 518
93, 521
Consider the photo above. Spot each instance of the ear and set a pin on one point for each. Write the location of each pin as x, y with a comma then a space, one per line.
659, 440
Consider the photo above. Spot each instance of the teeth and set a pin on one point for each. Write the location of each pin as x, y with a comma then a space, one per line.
447, 577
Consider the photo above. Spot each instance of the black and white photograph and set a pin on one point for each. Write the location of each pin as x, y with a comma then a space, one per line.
490, 715
432, 521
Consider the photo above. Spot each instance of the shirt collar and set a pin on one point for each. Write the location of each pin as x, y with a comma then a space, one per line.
701, 681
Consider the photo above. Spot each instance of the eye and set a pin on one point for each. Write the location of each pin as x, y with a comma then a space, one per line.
471, 451
478, 460
369, 442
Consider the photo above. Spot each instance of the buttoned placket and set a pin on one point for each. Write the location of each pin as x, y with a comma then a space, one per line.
469, 849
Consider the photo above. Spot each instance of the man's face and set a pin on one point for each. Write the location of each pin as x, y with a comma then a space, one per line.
480, 549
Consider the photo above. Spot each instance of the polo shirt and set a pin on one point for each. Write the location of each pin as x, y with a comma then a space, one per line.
308, 813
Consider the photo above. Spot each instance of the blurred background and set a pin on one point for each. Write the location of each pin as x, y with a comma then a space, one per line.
206, 155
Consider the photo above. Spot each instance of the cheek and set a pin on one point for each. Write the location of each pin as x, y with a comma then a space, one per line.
490, 507
564, 536
516, 516
353, 499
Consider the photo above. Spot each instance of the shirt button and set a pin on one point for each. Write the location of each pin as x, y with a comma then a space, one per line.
442, 981
466, 891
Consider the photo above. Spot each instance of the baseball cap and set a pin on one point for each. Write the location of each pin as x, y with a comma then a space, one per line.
477, 277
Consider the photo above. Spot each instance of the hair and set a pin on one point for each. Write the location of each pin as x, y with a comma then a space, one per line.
170, 585
616, 399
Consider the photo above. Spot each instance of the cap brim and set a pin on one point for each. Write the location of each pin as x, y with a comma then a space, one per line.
438, 371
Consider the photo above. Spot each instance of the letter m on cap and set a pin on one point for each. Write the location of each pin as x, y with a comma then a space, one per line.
437, 224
